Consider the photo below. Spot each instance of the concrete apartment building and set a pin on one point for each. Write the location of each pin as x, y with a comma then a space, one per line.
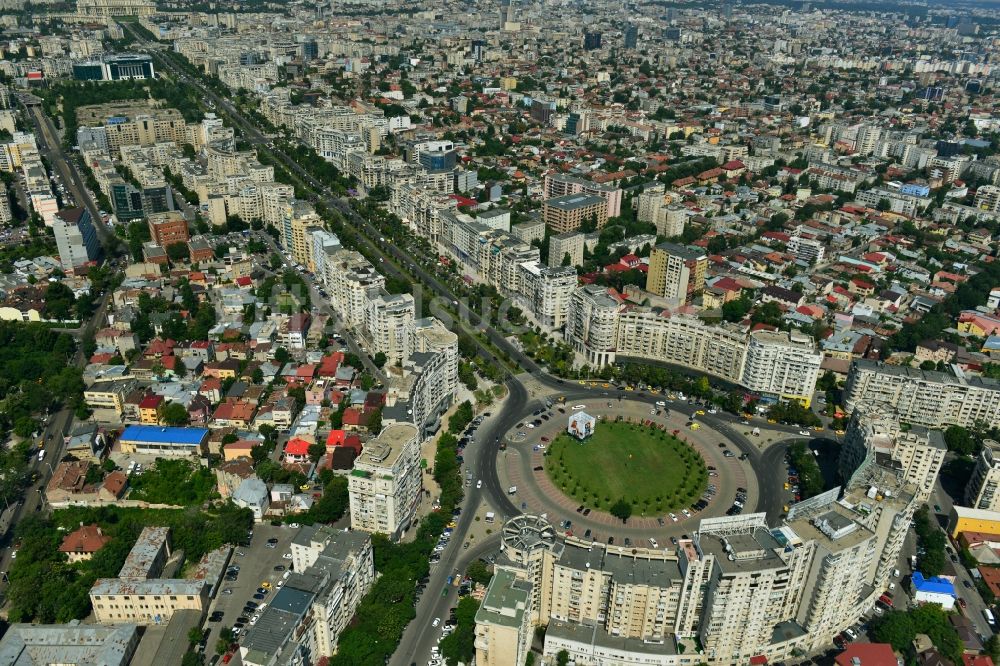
921, 397
782, 365
570, 212
385, 483
918, 452
559, 185
503, 621
546, 293
388, 321
981, 491
566, 244
76, 238
349, 279
115, 7
740, 588
676, 272
684, 340
591, 324
333, 570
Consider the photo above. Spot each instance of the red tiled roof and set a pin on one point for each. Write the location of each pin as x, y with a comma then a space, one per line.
297, 447
869, 654
87, 539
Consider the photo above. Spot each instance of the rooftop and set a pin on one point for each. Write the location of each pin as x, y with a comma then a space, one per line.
384, 450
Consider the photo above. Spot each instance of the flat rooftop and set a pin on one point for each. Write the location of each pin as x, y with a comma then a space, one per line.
751, 552
384, 450
571, 202
505, 601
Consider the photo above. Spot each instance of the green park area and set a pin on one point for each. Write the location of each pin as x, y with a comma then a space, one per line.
627, 469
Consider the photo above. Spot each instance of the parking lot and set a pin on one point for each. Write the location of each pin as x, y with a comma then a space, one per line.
256, 564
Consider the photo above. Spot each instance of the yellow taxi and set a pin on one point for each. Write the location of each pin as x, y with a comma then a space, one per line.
818, 428
606, 385
695, 426
629, 388
266, 585
700, 412
840, 432
771, 421
583, 383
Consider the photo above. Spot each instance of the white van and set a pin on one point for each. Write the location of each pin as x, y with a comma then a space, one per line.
512, 490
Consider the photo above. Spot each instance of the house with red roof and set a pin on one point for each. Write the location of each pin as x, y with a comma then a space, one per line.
297, 450
81, 544
868, 654
733, 169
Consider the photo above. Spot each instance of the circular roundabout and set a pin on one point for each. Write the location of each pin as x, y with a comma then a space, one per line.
639, 470
620, 463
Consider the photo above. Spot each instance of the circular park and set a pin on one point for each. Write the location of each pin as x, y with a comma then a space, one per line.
626, 468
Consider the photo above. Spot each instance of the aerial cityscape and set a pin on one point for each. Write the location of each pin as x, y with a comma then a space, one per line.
499, 333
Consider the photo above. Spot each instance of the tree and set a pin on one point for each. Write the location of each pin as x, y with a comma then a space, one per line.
562, 658
480, 572
59, 301
567, 260
621, 509
173, 414
316, 451
959, 440
375, 422
883, 204
195, 635
380, 359
194, 659
178, 252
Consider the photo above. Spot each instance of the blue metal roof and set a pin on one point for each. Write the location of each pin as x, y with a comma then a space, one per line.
165, 435
935, 585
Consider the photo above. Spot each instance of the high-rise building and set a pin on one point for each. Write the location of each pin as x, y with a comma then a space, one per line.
631, 35
6, 217
503, 622
385, 483
569, 244
917, 452
676, 272
76, 238
591, 41
572, 211
333, 570
782, 365
388, 320
592, 323
981, 491
925, 397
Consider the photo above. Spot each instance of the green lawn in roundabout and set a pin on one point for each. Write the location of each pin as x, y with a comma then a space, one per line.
648, 468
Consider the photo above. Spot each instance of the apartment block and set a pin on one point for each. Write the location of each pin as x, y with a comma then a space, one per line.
572, 211
928, 398
385, 483
503, 622
682, 339
560, 185
592, 324
76, 238
546, 292
333, 570
782, 365
388, 321
569, 244
981, 491
874, 431
676, 272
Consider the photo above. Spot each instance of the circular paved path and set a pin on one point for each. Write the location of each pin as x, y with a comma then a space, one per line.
536, 493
